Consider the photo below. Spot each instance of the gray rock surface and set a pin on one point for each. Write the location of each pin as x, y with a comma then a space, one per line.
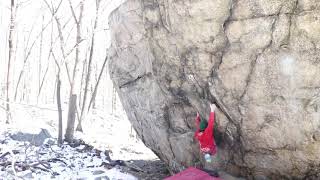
258, 60
34, 139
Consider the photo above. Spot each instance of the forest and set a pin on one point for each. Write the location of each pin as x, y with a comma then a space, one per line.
59, 112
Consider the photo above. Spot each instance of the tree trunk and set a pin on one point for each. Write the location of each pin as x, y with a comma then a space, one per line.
59, 110
48, 63
78, 40
79, 127
78, 23
40, 57
27, 54
84, 67
71, 118
94, 94
11, 32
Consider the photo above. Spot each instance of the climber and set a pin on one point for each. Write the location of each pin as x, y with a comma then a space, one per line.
204, 134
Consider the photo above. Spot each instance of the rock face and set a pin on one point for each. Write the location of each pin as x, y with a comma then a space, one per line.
258, 60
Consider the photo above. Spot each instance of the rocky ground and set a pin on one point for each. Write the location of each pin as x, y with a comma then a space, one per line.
30, 160
109, 149
151, 170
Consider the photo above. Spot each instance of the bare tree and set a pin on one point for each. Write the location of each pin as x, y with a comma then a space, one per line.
78, 41
73, 97
61, 37
71, 118
28, 52
84, 67
65, 54
11, 52
87, 81
59, 109
94, 94
48, 62
49, 55
40, 57
58, 83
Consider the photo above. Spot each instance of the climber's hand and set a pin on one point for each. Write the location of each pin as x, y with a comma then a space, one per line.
213, 107
198, 118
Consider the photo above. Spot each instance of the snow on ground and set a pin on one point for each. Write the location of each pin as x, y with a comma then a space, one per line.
53, 162
102, 130
105, 131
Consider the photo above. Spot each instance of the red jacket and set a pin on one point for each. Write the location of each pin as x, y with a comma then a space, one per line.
205, 138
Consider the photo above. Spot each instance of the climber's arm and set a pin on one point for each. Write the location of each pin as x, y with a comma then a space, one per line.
211, 119
198, 120
197, 125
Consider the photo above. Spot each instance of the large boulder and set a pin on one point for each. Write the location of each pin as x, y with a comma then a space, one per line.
258, 60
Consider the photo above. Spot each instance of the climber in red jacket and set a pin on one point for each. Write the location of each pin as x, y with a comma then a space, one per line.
204, 133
